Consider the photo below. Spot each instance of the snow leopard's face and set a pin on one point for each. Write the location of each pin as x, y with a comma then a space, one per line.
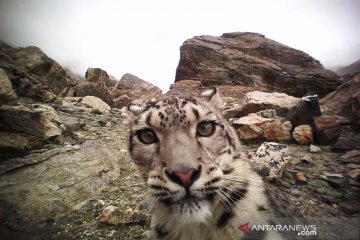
182, 148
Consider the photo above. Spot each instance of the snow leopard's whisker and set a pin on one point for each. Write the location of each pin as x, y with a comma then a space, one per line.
149, 207
146, 198
223, 195
224, 200
235, 202
239, 180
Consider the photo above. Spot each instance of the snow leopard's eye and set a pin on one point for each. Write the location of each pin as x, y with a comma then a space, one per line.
205, 129
146, 136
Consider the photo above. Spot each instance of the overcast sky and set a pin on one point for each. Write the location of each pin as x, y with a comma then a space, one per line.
143, 37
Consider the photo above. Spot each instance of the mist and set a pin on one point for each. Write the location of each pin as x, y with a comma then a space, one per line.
143, 37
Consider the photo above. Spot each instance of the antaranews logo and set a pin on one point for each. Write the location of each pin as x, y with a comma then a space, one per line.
302, 230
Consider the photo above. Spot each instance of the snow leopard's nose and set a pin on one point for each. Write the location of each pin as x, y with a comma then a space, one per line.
185, 177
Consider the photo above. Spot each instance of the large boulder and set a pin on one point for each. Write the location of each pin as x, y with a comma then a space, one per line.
250, 59
254, 127
44, 70
130, 87
257, 101
95, 103
37, 120
25, 127
100, 77
93, 89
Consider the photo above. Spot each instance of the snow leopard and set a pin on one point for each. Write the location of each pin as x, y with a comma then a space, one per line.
196, 171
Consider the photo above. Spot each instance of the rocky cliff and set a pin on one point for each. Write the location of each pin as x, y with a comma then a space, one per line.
251, 59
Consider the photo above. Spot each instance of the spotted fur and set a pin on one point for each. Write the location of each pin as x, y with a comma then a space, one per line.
224, 191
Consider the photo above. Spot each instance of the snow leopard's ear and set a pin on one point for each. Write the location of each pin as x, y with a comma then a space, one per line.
213, 97
136, 107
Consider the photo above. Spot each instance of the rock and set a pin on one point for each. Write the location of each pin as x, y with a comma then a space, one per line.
351, 154
92, 89
270, 159
354, 183
36, 120
304, 112
337, 182
335, 175
352, 157
318, 184
355, 174
15, 142
100, 77
329, 199
296, 192
95, 103
257, 101
58, 180
348, 208
255, 127
314, 149
347, 144
326, 129
353, 166
100, 203
288, 125
306, 159
300, 178
344, 101
231, 108
267, 113
184, 87
250, 59
130, 88
115, 216
44, 73
7, 94
302, 134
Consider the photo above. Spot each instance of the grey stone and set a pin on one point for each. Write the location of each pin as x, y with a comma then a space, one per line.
314, 149
7, 93
348, 208
338, 182
271, 156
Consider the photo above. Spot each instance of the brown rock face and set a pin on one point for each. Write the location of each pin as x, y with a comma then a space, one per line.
100, 77
344, 101
93, 89
30, 67
130, 88
250, 59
